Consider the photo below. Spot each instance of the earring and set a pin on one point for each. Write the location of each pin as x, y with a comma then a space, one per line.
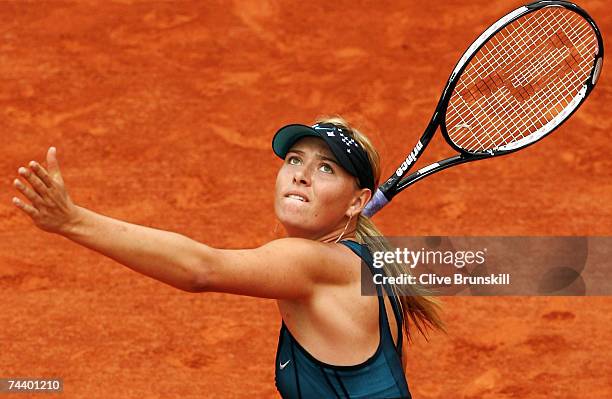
276, 228
345, 227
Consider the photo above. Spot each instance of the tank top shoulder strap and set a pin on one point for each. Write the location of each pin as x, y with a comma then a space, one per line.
363, 252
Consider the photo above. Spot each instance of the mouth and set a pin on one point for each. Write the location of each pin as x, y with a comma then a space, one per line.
296, 197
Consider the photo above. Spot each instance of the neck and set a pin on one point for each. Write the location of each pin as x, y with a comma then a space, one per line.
332, 236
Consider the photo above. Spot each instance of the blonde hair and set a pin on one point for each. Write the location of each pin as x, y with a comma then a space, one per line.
416, 304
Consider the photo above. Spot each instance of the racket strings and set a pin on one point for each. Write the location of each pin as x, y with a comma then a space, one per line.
522, 88
526, 91
519, 94
521, 79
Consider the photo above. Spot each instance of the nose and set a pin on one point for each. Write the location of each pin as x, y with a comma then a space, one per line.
302, 176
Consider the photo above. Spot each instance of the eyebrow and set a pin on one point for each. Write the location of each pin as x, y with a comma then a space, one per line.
318, 155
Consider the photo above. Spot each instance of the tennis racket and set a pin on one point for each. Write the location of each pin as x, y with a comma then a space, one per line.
520, 80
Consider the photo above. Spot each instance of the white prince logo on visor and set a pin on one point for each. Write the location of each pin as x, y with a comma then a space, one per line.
348, 141
328, 130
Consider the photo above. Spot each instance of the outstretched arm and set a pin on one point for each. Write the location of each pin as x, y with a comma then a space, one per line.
162, 255
159, 254
289, 268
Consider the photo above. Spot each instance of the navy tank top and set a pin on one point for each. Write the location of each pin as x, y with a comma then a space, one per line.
301, 376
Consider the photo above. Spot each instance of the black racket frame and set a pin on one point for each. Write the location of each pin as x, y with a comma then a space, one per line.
396, 183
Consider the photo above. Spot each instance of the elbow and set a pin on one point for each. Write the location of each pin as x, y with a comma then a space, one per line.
200, 281
186, 287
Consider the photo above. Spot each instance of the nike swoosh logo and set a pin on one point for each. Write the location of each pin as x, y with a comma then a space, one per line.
283, 365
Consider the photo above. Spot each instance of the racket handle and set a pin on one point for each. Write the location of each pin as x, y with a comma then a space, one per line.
378, 201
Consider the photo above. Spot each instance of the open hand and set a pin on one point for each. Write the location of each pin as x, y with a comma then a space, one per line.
50, 207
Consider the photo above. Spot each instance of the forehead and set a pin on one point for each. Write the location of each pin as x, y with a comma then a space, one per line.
312, 144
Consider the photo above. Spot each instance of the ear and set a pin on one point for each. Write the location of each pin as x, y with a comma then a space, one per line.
359, 201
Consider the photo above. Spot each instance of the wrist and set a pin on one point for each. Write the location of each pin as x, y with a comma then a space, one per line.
74, 222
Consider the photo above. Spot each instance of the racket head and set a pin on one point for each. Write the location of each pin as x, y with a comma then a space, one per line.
521, 79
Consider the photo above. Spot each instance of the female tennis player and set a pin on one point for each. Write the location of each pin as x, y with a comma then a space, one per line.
333, 342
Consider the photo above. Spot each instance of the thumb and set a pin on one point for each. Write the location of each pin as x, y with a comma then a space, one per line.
53, 165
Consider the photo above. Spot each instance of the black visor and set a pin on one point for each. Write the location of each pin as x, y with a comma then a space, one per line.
347, 150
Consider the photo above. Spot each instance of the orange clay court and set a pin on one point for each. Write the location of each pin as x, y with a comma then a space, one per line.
163, 115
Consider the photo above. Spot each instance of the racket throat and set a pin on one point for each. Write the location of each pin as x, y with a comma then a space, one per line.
416, 152
410, 159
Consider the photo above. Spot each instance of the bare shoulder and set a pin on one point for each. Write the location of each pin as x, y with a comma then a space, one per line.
287, 268
327, 263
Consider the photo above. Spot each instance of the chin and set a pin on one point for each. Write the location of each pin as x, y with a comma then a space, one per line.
290, 221
293, 222
287, 210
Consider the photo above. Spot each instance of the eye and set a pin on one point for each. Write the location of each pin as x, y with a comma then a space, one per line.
326, 168
293, 160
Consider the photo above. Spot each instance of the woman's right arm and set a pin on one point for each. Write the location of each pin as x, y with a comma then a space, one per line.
289, 268
163, 255
159, 254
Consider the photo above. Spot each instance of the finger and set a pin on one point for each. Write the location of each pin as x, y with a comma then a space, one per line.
53, 165
36, 183
42, 173
29, 209
29, 193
